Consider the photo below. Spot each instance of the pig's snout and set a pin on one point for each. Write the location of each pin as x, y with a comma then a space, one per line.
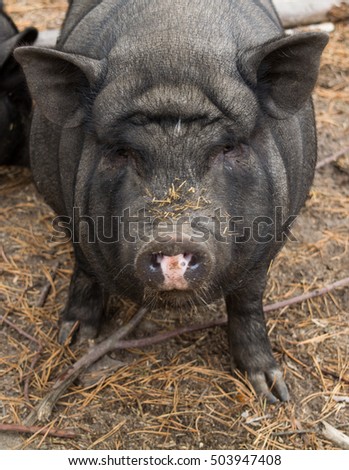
174, 266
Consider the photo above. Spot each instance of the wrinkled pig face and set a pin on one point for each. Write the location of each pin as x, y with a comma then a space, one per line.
176, 179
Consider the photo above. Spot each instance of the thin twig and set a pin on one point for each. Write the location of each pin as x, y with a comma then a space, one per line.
307, 295
40, 303
47, 287
296, 431
3, 254
308, 368
331, 158
334, 375
19, 330
161, 337
44, 409
37, 430
167, 335
30, 373
114, 342
35, 358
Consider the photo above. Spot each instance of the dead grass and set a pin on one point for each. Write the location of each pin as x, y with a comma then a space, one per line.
180, 395
43, 14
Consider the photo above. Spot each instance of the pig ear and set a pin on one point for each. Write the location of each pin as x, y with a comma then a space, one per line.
55, 80
284, 72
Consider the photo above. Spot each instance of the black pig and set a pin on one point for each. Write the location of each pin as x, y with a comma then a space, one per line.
15, 102
172, 134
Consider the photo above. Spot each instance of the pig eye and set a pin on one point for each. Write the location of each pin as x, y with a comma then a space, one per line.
113, 152
115, 159
235, 155
228, 148
231, 151
123, 153
123, 156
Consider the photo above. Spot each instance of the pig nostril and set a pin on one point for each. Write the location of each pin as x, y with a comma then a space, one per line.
193, 261
155, 260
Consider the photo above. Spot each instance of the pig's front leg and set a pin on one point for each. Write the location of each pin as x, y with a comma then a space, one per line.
85, 304
249, 344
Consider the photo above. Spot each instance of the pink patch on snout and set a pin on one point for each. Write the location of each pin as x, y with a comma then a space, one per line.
173, 269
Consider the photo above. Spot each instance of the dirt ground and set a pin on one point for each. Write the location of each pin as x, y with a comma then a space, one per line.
180, 394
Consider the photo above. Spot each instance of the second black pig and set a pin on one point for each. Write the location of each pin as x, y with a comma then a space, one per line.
15, 102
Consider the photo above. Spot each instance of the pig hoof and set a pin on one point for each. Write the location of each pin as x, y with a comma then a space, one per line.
86, 332
270, 385
66, 330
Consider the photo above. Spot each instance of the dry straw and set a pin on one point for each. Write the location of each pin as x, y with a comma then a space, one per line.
180, 394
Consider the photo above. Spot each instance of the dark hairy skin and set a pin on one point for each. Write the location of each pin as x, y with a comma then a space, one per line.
15, 101
85, 304
176, 108
249, 344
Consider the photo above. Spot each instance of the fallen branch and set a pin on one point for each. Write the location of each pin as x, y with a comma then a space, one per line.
44, 409
114, 342
334, 435
37, 430
308, 295
332, 158
161, 337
